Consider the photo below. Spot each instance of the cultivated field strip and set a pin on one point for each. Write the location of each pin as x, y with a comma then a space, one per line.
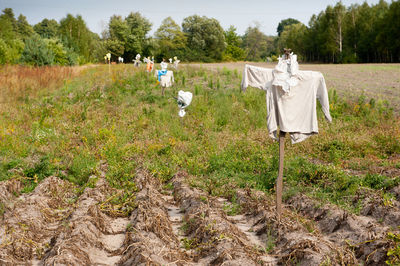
365, 234
54, 225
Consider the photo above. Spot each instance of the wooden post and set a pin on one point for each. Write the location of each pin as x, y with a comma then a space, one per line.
279, 182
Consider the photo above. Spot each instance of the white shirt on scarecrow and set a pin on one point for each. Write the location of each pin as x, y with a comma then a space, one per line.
291, 97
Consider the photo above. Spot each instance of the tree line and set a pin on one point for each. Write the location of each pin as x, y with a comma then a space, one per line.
339, 34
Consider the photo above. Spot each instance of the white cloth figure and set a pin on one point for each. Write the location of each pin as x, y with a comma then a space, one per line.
120, 59
170, 60
294, 111
137, 60
166, 80
184, 100
176, 62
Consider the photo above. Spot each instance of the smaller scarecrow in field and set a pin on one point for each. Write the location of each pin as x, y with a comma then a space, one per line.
136, 61
107, 58
120, 60
165, 77
149, 64
176, 62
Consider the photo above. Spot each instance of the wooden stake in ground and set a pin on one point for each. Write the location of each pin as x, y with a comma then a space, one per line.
279, 182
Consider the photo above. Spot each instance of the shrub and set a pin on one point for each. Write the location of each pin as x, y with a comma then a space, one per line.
10, 51
57, 48
36, 52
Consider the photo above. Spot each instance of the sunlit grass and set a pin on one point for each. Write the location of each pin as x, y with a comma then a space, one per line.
110, 121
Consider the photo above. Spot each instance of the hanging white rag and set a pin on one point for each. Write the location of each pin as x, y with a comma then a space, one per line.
286, 73
184, 100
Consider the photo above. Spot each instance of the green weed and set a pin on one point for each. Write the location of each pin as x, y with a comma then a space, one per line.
393, 252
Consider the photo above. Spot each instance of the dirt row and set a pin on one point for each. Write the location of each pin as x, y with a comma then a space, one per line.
57, 224
364, 234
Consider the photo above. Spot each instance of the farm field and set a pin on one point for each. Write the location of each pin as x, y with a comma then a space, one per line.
96, 167
378, 81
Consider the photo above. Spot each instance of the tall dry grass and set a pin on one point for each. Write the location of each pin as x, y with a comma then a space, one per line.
21, 82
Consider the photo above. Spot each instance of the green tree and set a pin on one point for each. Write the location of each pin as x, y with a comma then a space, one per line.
25, 30
205, 38
284, 23
7, 29
293, 36
233, 51
8, 14
115, 47
130, 32
257, 45
118, 29
339, 27
47, 28
138, 27
170, 38
10, 45
75, 35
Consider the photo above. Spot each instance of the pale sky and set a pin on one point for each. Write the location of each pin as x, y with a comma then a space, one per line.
240, 13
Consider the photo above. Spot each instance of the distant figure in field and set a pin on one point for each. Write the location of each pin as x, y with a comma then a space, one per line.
120, 59
164, 65
107, 58
149, 64
176, 62
137, 61
165, 77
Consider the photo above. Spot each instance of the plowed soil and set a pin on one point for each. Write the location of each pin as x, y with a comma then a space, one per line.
57, 224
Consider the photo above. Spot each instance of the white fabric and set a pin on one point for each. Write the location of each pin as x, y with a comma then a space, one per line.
294, 111
164, 65
286, 72
181, 112
166, 80
184, 100
136, 61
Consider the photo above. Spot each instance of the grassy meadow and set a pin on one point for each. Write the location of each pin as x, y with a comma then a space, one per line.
83, 122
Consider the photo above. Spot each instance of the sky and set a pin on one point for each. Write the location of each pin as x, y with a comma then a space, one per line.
240, 13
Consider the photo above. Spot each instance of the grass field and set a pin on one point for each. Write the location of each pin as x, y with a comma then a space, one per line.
82, 124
